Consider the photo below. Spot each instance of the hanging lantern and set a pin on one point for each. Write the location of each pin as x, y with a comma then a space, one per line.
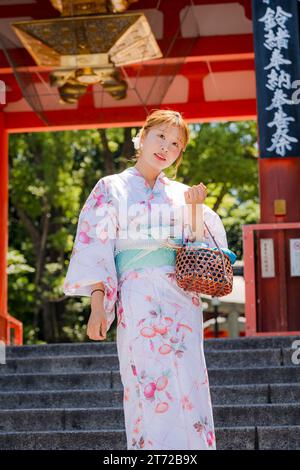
85, 47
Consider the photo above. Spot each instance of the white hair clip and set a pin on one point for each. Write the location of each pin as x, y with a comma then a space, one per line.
137, 141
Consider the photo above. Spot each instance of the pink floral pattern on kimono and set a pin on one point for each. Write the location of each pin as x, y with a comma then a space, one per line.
92, 258
167, 402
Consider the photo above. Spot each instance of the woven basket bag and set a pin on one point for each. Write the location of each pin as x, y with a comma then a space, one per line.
203, 270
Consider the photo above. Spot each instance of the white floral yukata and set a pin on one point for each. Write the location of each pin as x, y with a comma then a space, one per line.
167, 403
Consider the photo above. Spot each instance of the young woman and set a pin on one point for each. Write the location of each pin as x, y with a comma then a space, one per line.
119, 261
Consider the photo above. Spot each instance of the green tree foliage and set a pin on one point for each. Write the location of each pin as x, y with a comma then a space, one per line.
51, 175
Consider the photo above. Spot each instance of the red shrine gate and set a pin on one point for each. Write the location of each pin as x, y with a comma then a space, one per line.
207, 71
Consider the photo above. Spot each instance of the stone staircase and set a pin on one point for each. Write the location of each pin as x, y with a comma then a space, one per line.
69, 396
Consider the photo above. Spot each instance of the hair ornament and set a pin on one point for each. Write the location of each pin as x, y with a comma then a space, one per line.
137, 140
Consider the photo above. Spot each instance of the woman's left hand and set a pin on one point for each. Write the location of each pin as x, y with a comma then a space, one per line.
196, 194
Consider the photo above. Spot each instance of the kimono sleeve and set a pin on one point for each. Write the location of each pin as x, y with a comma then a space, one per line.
92, 258
216, 227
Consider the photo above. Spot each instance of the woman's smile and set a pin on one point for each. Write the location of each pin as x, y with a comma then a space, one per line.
160, 157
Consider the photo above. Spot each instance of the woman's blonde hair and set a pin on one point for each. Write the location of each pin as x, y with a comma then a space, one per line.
169, 117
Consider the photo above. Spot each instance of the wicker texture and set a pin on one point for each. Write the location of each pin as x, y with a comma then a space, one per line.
201, 270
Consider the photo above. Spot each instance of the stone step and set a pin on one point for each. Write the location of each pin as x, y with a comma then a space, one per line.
220, 394
64, 440
63, 364
56, 419
257, 415
110, 347
100, 380
29, 382
75, 363
61, 399
279, 438
258, 438
287, 393
239, 438
253, 375
259, 342
61, 349
255, 394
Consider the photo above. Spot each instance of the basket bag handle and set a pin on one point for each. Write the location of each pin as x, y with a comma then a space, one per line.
198, 238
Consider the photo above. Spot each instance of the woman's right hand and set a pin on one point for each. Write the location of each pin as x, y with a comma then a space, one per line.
196, 194
97, 324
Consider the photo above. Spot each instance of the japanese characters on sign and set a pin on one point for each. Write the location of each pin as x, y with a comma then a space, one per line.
276, 42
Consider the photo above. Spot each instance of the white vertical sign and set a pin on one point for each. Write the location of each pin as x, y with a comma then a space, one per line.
295, 256
2, 92
267, 257
2, 353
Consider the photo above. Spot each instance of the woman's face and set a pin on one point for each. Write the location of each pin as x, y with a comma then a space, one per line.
161, 146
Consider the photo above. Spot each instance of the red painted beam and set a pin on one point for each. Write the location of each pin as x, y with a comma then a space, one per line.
188, 69
191, 70
130, 116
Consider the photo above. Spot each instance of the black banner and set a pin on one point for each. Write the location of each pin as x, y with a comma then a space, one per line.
277, 63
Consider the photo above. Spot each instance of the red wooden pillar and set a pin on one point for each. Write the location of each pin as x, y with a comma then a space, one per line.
3, 227
279, 179
8, 324
279, 297
272, 301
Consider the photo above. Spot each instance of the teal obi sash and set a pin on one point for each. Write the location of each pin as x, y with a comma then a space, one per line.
154, 257
143, 258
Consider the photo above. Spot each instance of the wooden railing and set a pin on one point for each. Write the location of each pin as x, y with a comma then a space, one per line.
11, 330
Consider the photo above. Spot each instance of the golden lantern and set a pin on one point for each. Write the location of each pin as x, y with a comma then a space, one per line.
88, 43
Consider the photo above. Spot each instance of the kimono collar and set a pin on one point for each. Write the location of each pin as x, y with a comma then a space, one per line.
160, 179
